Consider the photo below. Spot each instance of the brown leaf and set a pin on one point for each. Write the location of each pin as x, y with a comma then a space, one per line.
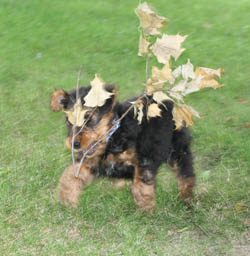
150, 21
159, 78
209, 73
186, 71
153, 111
183, 116
160, 96
76, 116
163, 75
202, 78
143, 46
153, 86
183, 87
168, 46
97, 96
138, 110
176, 96
209, 77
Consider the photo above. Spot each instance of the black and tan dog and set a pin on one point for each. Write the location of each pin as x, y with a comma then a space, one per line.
131, 151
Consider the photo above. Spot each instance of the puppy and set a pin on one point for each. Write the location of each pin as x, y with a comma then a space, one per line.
113, 144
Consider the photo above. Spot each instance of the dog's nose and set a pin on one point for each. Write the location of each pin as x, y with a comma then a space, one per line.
77, 144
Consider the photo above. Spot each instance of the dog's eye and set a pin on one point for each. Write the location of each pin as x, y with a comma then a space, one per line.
91, 119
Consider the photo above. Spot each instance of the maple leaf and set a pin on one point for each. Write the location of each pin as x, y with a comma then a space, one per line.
150, 21
186, 71
138, 110
76, 116
152, 86
163, 75
177, 96
143, 46
168, 46
160, 96
97, 95
208, 77
201, 78
183, 116
153, 111
209, 73
159, 78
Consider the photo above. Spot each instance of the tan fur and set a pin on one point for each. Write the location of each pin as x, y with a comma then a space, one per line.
71, 187
55, 100
127, 157
186, 186
68, 144
144, 194
89, 136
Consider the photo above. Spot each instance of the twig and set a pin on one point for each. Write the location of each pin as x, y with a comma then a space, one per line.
75, 120
148, 67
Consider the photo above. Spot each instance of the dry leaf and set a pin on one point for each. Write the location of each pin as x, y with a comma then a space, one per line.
183, 87
97, 95
160, 96
187, 70
150, 22
163, 75
153, 111
201, 78
143, 46
76, 116
183, 116
209, 77
209, 73
138, 110
159, 78
153, 86
168, 46
176, 95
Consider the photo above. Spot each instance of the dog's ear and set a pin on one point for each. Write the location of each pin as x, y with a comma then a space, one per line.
59, 100
113, 89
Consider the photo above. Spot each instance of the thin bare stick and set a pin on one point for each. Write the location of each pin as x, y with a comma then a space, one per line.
148, 67
75, 120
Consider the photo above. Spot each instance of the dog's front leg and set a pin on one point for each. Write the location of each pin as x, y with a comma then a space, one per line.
70, 186
143, 189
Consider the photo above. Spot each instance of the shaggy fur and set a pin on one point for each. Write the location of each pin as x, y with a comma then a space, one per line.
135, 151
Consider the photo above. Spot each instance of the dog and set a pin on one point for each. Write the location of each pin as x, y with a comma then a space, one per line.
129, 151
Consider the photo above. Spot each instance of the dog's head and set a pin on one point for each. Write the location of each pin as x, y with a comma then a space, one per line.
93, 123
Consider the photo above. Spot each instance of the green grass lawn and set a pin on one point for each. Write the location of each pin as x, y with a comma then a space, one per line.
42, 45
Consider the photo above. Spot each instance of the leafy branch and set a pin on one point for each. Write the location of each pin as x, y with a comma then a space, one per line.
166, 83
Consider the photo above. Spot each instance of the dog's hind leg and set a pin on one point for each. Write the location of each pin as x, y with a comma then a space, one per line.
181, 162
70, 187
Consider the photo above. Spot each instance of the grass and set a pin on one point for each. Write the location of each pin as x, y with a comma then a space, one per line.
42, 45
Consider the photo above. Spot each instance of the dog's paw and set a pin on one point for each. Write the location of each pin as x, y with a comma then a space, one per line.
144, 196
